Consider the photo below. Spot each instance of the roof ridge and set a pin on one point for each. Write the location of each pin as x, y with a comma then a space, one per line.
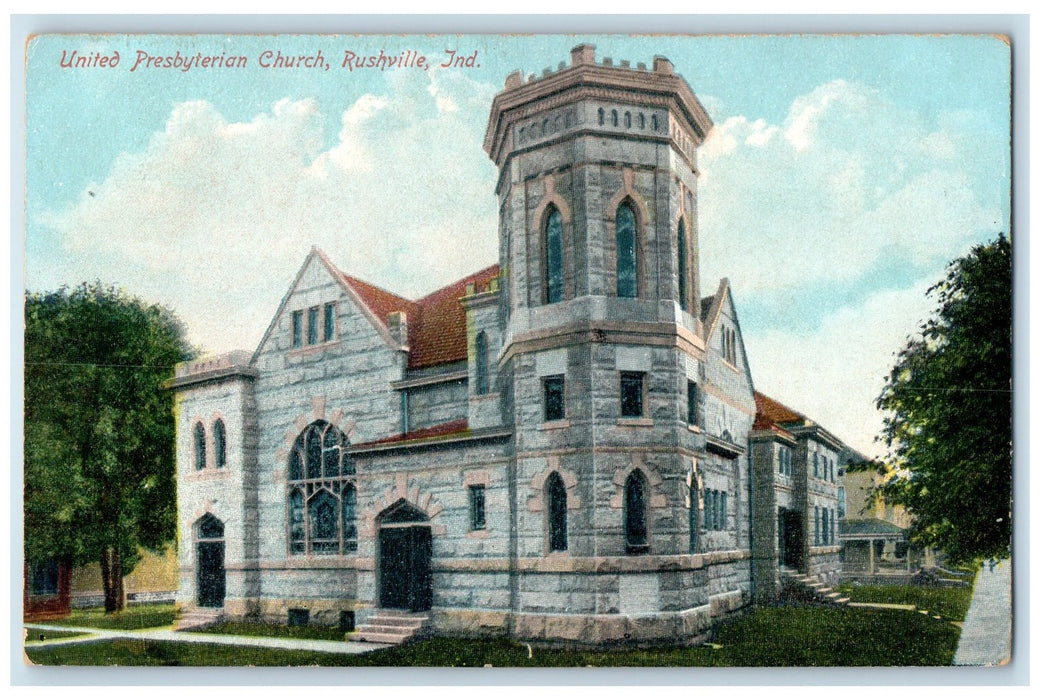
448, 286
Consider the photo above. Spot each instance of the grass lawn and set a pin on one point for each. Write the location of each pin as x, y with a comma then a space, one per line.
951, 603
782, 636
134, 617
38, 635
256, 629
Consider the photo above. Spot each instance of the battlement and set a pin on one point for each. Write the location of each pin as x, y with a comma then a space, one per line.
585, 55
586, 79
213, 367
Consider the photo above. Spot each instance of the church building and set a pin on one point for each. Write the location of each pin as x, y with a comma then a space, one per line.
560, 447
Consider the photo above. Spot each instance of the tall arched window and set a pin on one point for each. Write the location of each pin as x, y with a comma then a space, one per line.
553, 256
481, 362
322, 496
297, 528
627, 262
349, 518
200, 446
680, 244
695, 519
219, 444
556, 498
636, 540
324, 530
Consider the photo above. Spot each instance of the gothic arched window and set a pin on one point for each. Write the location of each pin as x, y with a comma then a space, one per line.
636, 541
219, 444
297, 528
324, 530
322, 500
695, 520
553, 256
349, 518
481, 362
627, 258
680, 244
200, 446
556, 498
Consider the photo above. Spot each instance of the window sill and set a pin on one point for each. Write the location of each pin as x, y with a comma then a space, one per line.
484, 397
635, 422
306, 350
693, 428
729, 364
478, 534
555, 424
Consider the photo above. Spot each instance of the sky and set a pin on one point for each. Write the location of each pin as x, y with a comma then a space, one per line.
842, 174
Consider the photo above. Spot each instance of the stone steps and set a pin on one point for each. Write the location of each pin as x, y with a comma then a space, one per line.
198, 618
809, 589
390, 627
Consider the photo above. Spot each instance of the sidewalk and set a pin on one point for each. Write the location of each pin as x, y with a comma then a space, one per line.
168, 635
986, 635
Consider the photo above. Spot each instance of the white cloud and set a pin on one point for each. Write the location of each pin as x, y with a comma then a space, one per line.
214, 217
847, 181
835, 373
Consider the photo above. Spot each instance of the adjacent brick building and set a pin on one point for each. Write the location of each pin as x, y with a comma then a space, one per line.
555, 447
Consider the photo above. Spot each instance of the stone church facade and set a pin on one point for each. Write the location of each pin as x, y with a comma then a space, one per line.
557, 447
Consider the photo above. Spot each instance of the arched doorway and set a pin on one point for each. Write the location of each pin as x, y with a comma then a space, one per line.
210, 580
405, 551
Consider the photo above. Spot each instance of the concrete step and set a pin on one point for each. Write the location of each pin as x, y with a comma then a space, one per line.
198, 619
381, 637
414, 623
388, 629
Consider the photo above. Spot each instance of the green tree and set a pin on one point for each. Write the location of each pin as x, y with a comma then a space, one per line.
948, 406
99, 430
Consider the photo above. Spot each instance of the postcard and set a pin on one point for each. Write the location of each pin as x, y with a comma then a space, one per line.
517, 350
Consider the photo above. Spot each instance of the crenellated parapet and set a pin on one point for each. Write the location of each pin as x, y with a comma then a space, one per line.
597, 97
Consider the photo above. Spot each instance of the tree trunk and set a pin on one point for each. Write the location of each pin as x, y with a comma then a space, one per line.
112, 577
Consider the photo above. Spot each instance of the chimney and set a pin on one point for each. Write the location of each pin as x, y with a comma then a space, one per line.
397, 324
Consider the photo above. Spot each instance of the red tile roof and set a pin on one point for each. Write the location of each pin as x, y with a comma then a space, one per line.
440, 335
436, 323
381, 302
771, 414
455, 427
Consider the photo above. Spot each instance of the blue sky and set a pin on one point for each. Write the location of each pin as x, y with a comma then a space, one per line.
842, 174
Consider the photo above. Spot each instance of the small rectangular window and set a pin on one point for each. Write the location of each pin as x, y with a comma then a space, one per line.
330, 323
554, 399
632, 394
312, 325
476, 507
297, 329
299, 617
43, 578
692, 412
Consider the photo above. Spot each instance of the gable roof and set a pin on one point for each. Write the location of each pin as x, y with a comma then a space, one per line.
770, 414
436, 322
379, 301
